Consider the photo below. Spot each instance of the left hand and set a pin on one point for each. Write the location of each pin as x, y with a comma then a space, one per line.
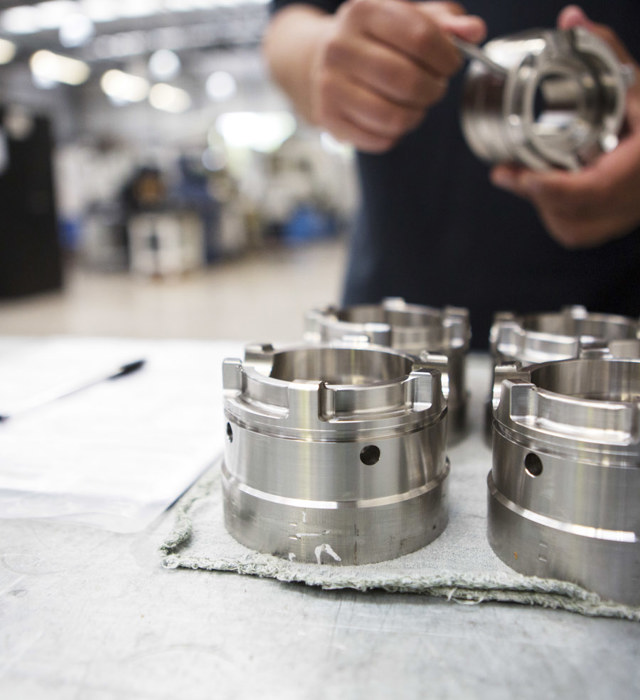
602, 201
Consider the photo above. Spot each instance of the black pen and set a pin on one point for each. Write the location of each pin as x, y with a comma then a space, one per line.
46, 397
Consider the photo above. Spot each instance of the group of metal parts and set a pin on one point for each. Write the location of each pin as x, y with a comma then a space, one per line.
336, 448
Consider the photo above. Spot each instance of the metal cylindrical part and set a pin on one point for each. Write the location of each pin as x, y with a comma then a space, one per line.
559, 102
564, 488
410, 328
335, 454
523, 340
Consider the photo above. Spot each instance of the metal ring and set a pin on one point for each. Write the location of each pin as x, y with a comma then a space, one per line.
564, 489
412, 328
559, 100
334, 454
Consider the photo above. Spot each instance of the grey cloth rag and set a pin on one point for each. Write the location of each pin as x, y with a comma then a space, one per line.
460, 565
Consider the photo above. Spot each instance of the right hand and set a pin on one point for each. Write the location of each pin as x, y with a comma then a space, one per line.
381, 66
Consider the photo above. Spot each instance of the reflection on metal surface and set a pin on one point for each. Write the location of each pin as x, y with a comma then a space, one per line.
522, 340
408, 328
558, 101
564, 489
334, 454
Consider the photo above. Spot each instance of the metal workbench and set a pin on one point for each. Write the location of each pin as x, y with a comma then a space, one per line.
91, 614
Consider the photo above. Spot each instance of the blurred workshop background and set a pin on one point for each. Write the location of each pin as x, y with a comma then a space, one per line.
153, 181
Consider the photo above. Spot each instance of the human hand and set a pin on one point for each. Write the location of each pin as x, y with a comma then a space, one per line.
602, 201
382, 64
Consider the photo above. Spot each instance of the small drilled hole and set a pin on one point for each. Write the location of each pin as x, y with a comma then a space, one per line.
229, 433
533, 464
369, 455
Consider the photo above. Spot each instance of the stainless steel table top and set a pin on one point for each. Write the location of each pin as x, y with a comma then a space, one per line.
90, 614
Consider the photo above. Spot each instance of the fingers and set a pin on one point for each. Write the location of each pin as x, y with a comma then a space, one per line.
453, 19
406, 29
388, 73
384, 64
362, 117
586, 208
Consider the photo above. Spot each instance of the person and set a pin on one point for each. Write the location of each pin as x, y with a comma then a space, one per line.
436, 225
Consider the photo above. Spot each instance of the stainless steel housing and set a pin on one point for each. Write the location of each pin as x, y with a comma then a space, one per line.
408, 328
522, 340
564, 489
553, 99
335, 454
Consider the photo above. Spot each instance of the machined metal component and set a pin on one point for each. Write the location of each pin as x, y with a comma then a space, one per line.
558, 99
335, 454
564, 489
523, 340
418, 330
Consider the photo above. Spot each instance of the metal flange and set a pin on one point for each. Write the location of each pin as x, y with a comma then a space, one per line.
334, 454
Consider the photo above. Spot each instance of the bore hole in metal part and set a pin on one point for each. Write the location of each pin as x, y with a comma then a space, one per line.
559, 115
533, 464
229, 433
370, 455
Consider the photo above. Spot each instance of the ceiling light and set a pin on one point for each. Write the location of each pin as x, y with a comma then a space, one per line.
221, 86
164, 64
100, 10
20, 20
140, 8
7, 51
76, 30
169, 98
51, 14
49, 67
261, 131
124, 87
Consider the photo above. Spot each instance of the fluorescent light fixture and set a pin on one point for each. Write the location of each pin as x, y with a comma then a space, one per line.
52, 13
260, 131
48, 67
140, 8
124, 87
164, 64
220, 86
76, 30
20, 20
169, 98
7, 51
100, 10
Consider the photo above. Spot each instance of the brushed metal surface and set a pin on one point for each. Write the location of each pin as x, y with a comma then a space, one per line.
564, 488
334, 454
521, 340
411, 328
558, 100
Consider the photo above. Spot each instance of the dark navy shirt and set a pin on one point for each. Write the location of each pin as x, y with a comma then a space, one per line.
432, 229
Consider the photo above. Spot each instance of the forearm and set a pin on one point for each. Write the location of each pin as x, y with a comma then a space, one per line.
290, 46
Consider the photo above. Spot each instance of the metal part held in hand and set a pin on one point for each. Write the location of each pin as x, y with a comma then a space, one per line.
523, 340
408, 328
335, 454
564, 489
558, 99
